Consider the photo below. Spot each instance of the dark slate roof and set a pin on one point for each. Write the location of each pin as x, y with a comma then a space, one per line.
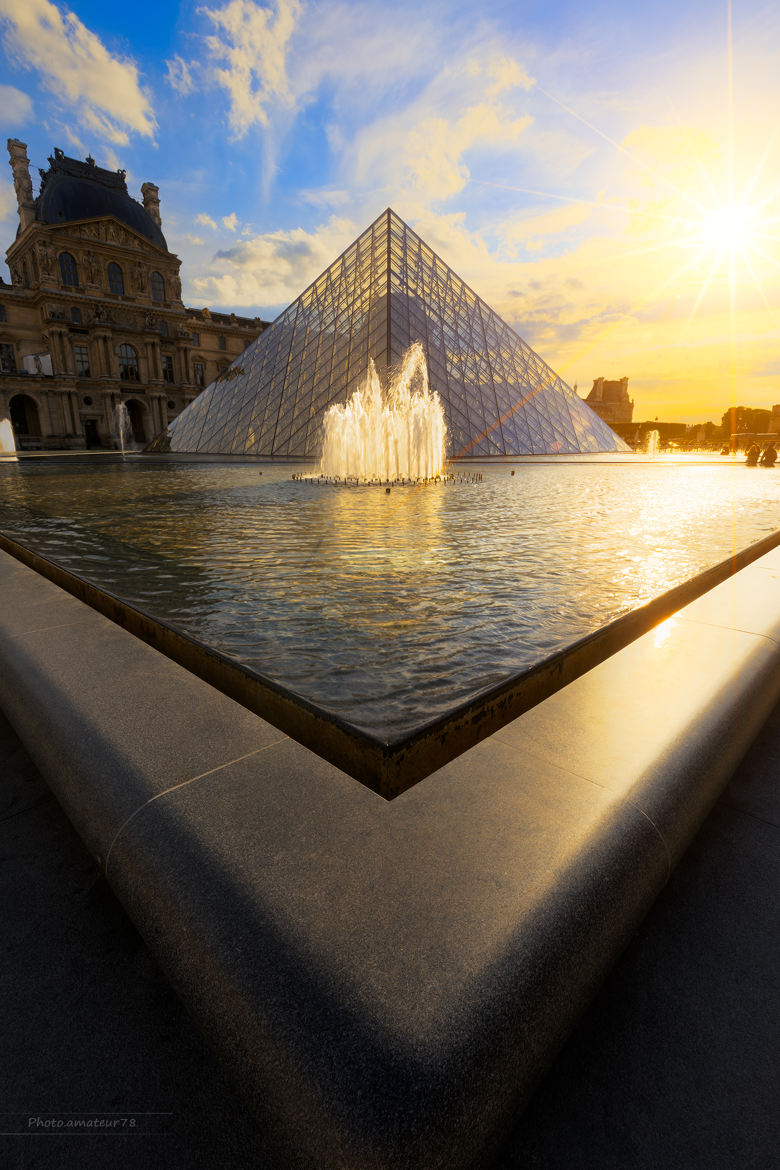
73, 190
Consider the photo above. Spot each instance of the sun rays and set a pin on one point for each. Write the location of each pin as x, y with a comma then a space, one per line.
679, 238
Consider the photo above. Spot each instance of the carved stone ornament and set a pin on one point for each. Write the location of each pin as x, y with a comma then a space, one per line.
23, 184
46, 255
115, 234
126, 318
90, 259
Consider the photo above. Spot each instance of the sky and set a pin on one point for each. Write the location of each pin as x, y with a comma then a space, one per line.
606, 176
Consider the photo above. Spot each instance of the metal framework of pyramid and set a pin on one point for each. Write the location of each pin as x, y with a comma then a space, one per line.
386, 291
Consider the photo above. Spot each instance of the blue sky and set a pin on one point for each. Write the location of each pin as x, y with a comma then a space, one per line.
606, 176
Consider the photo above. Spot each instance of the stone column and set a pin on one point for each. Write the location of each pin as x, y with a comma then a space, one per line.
74, 410
109, 402
184, 354
153, 361
71, 415
62, 357
112, 361
157, 413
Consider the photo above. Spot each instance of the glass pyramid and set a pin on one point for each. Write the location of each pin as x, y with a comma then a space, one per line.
386, 291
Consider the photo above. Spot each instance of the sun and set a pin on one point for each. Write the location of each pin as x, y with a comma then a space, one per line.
730, 229
732, 244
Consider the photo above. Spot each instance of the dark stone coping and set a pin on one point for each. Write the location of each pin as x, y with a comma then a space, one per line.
388, 766
388, 981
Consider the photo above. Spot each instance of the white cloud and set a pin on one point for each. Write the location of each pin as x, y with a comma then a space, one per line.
422, 150
251, 48
196, 241
326, 198
17, 107
104, 91
230, 221
272, 269
359, 51
206, 221
505, 73
112, 161
179, 75
532, 232
8, 204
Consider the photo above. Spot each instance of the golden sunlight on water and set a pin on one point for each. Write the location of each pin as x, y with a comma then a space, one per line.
389, 608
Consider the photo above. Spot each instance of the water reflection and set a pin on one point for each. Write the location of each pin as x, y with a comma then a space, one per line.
387, 608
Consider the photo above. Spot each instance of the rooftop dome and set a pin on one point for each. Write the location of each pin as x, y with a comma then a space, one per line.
73, 190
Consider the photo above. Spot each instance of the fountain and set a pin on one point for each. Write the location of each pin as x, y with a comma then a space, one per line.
7, 442
652, 444
398, 435
121, 427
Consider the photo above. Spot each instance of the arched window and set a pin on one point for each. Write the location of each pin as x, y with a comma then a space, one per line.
69, 273
128, 363
116, 281
3, 314
157, 285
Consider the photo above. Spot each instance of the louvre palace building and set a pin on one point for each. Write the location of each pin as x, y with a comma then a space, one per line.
93, 315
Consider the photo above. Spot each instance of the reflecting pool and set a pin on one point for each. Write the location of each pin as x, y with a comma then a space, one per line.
388, 608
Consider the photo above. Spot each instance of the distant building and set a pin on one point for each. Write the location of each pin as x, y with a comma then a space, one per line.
774, 422
610, 401
93, 315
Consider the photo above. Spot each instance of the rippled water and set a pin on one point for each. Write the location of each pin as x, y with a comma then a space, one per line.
388, 608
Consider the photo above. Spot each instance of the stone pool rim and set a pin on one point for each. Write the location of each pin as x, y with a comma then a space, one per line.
392, 765
388, 981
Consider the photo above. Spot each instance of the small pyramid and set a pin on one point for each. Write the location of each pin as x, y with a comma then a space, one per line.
386, 291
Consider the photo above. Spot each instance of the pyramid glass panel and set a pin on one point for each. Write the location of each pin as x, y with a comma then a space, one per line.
385, 292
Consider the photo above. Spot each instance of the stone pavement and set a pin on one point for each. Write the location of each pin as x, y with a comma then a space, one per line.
674, 1065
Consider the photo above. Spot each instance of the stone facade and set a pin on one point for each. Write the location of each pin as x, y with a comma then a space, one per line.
93, 315
610, 401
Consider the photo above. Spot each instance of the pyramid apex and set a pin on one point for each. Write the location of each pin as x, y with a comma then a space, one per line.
385, 292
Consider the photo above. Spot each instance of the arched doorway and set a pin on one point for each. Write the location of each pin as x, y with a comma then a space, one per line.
24, 420
136, 412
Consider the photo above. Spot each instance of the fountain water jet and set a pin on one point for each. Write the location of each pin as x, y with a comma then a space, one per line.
652, 444
7, 441
121, 427
401, 434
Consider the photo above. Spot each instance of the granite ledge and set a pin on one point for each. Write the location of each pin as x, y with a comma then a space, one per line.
387, 982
